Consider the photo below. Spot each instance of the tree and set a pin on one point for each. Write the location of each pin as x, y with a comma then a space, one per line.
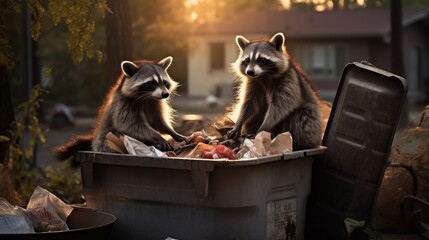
397, 55
7, 112
396, 49
118, 37
79, 18
6, 58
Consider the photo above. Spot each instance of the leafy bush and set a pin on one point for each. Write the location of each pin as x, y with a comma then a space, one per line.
19, 175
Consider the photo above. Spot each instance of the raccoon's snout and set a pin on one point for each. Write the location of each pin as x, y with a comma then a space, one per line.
251, 72
165, 94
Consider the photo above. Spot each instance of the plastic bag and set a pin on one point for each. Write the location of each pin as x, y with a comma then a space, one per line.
135, 147
47, 212
13, 219
262, 145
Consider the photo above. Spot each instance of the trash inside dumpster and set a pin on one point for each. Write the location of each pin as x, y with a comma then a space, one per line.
183, 198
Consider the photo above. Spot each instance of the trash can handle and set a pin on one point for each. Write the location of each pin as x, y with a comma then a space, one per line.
200, 177
86, 170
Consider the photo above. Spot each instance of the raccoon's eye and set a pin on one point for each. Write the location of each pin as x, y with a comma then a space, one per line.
165, 82
262, 59
246, 60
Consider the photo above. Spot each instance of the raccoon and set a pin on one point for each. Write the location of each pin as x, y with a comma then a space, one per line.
274, 94
137, 105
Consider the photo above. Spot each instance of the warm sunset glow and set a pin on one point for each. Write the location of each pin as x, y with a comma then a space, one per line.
286, 4
193, 17
361, 2
205, 11
320, 8
190, 3
192, 117
202, 11
319, 5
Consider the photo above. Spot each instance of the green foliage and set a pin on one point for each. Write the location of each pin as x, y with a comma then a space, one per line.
4, 138
27, 121
68, 81
79, 84
78, 15
353, 225
20, 154
372, 234
162, 29
6, 53
62, 182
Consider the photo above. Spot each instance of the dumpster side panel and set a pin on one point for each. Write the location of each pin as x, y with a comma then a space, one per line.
261, 201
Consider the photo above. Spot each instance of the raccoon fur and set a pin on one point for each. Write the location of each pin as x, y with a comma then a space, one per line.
137, 105
274, 94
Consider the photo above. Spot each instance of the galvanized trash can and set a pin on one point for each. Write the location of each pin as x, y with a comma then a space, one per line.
84, 223
359, 133
156, 198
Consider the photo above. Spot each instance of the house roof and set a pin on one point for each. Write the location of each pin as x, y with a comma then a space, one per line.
309, 23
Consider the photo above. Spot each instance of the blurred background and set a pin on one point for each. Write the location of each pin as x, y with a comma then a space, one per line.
72, 50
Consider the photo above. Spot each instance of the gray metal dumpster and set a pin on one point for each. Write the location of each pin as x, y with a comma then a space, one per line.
156, 198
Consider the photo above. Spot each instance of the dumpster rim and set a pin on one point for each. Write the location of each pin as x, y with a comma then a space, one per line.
186, 163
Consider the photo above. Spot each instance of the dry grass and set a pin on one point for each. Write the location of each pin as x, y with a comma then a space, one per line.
7, 184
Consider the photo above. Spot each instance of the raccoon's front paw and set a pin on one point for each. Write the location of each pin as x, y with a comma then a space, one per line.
234, 134
179, 138
164, 145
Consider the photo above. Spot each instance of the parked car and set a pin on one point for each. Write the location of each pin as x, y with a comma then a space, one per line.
60, 116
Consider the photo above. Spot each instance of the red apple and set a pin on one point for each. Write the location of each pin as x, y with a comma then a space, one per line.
198, 139
225, 152
207, 155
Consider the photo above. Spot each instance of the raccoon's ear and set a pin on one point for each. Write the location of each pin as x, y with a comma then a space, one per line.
241, 41
129, 68
166, 62
278, 41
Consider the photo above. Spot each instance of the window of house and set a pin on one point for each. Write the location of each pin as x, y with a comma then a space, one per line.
320, 61
217, 56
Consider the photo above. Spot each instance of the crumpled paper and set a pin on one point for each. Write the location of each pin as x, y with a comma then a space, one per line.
262, 145
47, 212
135, 147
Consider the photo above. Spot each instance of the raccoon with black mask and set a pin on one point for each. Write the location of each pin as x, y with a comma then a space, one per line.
274, 94
137, 105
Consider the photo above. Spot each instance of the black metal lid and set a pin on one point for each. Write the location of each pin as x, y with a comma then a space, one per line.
358, 137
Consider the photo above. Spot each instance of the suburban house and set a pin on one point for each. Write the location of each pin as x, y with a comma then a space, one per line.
321, 42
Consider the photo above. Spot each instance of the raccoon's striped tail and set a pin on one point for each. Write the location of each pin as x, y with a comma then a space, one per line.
68, 150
